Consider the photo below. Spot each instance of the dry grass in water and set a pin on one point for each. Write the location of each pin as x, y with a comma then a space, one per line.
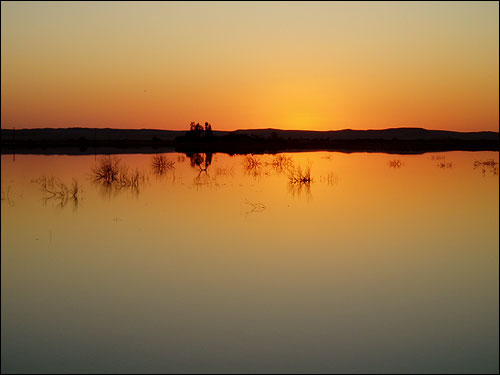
55, 189
252, 165
112, 176
106, 170
487, 165
300, 176
281, 163
395, 163
251, 162
161, 165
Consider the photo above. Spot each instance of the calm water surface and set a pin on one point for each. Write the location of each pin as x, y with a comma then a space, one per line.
383, 263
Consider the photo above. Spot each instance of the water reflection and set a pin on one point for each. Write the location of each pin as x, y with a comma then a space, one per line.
281, 163
299, 180
330, 179
438, 157
395, 163
253, 166
200, 160
384, 251
57, 191
442, 165
161, 165
5, 195
487, 166
112, 177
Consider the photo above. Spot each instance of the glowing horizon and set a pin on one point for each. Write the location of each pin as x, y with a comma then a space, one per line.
307, 66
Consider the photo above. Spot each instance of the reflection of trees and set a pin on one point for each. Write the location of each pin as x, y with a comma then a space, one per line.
487, 166
200, 160
203, 178
57, 191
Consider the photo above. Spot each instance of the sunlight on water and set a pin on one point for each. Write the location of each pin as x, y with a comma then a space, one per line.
297, 262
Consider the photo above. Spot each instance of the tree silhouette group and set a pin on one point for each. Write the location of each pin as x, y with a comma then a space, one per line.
198, 131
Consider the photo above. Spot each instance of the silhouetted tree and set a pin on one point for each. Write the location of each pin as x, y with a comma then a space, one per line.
195, 130
208, 130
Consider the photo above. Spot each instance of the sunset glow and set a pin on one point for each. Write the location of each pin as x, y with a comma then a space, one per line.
311, 66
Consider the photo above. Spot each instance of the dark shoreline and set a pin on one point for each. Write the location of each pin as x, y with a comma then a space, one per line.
81, 141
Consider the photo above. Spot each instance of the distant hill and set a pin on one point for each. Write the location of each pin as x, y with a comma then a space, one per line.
99, 134
387, 134
396, 140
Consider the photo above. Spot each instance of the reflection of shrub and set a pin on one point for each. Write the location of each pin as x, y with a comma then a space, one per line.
297, 175
395, 163
75, 187
161, 164
252, 165
251, 162
127, 178
300, 180
106, 170
55, 189
112, 176
490, 165
282, 163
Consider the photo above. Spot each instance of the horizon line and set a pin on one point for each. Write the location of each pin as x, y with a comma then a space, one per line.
264, 128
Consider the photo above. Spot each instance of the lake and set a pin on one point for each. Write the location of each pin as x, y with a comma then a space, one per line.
219, 263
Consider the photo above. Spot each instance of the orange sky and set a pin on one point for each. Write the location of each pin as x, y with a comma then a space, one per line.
316, 66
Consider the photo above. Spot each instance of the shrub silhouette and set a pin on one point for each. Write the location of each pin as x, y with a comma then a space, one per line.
107, 169
208, 130
161, 165
112, 176
299, 176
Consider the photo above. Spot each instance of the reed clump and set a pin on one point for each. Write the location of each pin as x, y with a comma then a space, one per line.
300, 175
487, 165
161, 165
107, 169
252, 165
109, 173
251, 162
281, 163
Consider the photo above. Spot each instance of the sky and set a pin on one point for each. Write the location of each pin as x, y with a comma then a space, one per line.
288, 65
